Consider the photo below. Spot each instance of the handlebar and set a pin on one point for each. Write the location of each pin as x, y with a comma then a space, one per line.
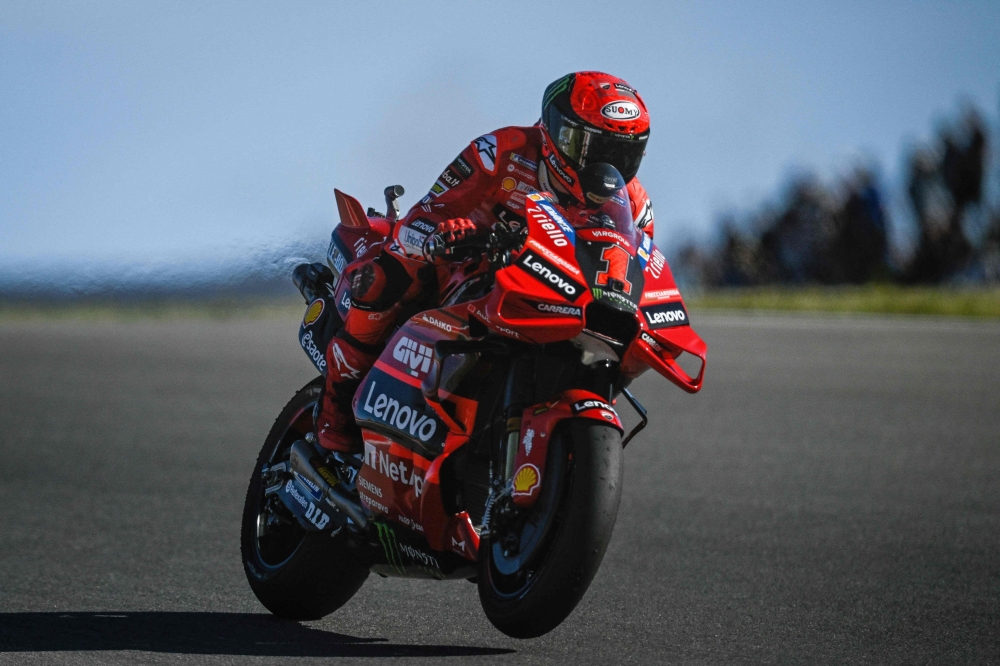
497, 242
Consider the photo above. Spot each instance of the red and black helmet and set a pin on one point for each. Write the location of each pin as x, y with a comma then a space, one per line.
590, 117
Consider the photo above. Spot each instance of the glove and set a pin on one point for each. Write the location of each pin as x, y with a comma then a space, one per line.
456, 230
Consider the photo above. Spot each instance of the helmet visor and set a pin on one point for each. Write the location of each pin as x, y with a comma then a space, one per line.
580, 145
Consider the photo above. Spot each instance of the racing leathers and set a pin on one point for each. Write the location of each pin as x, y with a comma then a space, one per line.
485, 184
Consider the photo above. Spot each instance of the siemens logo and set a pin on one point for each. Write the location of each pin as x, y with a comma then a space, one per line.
666, 315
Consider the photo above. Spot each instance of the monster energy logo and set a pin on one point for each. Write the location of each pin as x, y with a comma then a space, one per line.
387, 537
554, 89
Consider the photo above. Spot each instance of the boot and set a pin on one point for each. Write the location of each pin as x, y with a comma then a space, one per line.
346, 366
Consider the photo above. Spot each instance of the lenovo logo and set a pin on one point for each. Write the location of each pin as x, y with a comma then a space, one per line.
550, 276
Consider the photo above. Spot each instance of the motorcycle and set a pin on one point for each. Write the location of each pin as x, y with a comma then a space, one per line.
492, 448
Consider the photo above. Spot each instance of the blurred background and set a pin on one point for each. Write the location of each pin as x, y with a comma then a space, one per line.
190, 150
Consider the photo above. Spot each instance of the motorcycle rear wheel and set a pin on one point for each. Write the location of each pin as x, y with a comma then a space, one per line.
567, 532
295, 574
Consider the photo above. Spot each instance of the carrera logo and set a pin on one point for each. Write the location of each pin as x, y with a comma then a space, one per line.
412, 354
550, 276
403, 417
568, 310
648, 339
584, 405
621, 110
665, 316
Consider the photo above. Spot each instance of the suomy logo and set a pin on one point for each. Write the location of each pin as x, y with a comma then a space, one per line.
413, 354
550, 276
403, 417
621, 110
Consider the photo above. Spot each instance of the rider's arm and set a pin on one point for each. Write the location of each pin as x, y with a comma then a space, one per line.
642, 207
458, 191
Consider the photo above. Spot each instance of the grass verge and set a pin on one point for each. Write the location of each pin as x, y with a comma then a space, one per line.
873, 299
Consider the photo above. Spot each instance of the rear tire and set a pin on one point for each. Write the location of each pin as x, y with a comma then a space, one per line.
295, 574
585, 461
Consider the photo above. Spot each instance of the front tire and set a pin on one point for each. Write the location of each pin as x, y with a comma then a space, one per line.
572, 523
295, 574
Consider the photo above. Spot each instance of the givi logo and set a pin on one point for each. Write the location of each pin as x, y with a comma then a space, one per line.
412, 354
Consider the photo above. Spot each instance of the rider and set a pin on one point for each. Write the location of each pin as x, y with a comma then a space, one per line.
587, 117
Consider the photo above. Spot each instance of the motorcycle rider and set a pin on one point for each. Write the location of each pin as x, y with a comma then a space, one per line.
587, 117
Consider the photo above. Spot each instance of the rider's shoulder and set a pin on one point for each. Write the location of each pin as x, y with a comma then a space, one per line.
636, 191
489, 148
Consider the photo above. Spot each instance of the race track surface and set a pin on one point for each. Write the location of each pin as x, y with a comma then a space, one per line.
832, 496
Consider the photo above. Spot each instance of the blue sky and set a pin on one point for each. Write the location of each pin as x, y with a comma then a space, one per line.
169, 132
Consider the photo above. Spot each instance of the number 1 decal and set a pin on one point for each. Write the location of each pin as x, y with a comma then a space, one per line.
616, 260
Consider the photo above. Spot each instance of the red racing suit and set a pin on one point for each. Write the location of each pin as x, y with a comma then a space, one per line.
486, 183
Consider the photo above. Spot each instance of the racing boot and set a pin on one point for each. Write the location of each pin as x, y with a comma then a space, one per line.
346, 365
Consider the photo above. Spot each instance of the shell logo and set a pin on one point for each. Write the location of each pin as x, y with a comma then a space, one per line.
526, 479
508, 184
313, 313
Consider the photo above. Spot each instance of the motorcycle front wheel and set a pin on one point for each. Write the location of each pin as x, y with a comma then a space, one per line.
295, 574
535, 568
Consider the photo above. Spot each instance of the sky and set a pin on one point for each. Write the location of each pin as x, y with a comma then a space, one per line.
164, 133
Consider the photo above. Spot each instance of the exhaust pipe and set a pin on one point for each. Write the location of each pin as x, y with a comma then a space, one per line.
302, 455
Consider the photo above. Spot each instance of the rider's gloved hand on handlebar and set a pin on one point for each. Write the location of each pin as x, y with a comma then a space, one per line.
455, 230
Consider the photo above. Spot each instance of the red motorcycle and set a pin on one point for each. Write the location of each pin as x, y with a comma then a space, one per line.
492, 448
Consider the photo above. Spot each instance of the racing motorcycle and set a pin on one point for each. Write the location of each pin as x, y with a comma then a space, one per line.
492, 448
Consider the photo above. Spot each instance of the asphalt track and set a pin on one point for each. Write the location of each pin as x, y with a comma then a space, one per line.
832, 496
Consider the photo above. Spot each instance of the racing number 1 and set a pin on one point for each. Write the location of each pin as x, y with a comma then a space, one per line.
616, 260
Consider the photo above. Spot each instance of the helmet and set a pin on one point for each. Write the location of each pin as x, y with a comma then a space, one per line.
590, 117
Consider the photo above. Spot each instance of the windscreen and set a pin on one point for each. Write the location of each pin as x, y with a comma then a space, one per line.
616, 214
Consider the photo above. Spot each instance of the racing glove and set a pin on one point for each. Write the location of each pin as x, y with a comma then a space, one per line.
455, 230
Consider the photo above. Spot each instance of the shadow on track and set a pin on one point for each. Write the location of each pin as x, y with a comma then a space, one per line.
243, 634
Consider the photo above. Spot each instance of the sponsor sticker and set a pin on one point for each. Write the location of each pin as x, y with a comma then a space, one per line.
313, 313
450, 178
554, 163
621, 110
408, 419
524, 161
396, 471
415, 356
526, 479
508, 184
661, 294
462, 167
486, 150
423, 225
648, 339
665, 315
553, 308
438, 188
593, 403
552, 277
412, 240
